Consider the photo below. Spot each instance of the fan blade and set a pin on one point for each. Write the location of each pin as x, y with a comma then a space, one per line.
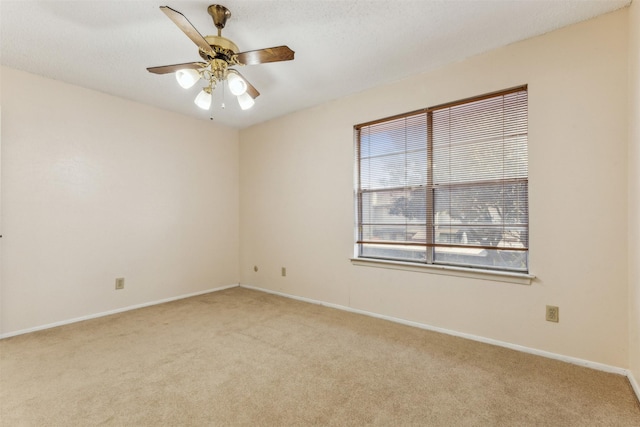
252, 91
270, 54
187, 27
165, 69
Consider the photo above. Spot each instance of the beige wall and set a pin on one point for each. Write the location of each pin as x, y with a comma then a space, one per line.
296, 187
634, 189
96, 187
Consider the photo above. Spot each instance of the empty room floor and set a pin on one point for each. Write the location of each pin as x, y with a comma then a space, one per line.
244, 357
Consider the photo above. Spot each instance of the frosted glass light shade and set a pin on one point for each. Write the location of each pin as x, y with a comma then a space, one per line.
237, 85
187, 77
245, 101
203, 100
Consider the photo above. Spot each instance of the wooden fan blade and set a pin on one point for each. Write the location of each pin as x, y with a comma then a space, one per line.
183, 23
252, 91
165, 69
270, 54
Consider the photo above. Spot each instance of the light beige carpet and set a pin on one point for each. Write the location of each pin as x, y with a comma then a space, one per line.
243, 357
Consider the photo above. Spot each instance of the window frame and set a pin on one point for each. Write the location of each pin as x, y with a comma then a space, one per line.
430, 244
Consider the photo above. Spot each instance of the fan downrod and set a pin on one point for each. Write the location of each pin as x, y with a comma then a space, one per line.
220, 14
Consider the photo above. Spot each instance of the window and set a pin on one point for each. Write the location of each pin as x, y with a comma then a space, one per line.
447, 185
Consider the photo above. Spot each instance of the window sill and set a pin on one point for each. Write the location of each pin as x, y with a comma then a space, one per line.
473, 273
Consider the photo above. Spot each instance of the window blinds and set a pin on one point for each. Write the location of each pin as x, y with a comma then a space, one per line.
447, 185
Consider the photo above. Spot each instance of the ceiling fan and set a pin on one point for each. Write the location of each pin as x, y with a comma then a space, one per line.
219, 55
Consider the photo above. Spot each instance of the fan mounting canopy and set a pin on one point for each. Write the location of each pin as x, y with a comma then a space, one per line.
220, 14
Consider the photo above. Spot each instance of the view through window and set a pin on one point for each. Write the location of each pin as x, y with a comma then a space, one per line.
447, 185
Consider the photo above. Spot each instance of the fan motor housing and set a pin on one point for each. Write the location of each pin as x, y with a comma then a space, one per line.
223, 48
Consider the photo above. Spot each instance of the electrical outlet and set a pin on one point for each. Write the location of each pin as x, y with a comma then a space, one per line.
120, 283
553, 313
284, 271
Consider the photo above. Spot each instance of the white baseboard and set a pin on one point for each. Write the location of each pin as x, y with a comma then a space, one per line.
107, 313
573, 360
634, 384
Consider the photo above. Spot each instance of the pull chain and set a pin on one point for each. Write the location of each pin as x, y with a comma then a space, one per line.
222, 95
211, 107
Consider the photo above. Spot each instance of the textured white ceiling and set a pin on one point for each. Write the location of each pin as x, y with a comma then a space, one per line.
342, 47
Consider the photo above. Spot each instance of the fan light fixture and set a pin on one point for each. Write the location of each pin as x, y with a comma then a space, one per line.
187, 78
215, 72
219, 55
203, 100
245, 101
237, 85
